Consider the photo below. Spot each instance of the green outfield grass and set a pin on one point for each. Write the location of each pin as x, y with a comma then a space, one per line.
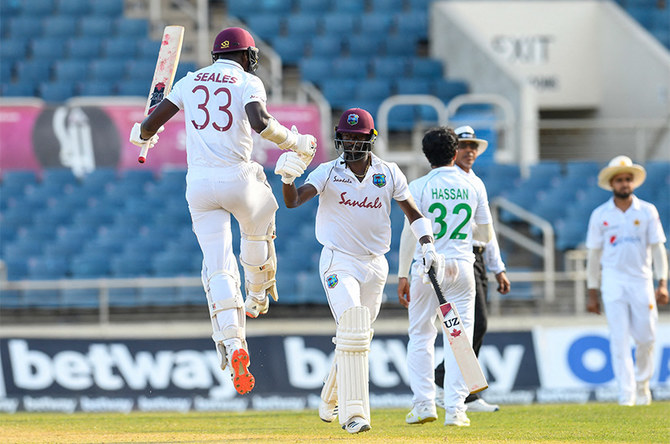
560, 423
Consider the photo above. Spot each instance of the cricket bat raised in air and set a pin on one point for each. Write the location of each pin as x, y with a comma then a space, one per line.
166, 68
458, 340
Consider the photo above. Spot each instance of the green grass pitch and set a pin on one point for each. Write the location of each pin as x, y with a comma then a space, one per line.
553, 423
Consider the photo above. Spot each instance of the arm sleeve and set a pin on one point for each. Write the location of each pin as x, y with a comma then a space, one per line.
593, 268
659, 261
254, 90
317, 178
492, 257
400, 188
483, 233
175, 95
406, 250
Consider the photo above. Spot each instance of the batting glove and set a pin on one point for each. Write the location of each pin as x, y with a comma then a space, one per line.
136, 136
303, 144
290, 166
431, 258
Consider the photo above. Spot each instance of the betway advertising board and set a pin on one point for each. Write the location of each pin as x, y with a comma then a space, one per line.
87, 135
545, 366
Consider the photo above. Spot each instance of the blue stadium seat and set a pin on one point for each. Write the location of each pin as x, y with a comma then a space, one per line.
267, 26
316, 6
377, 23
58, 177
20, 89
80, 298
10, 8
339, 92
47, 267
374, 89
131, 27
23, 248
126, 266
70, 70
387, 5
17, 268
349, 6
302, 25
141, 70
413, 24
75, 8
148, 49
448, 89
326, 46
95, 26
137, 177
401, 118
339, 24
157, 296
424, 67
183, 69
172, 263
316, 69
400, 46
12, 50
364, 45
83, 48
349, 67
119, 48
132, 88
23, 26
570, 235
6, 72
108, 9
59, 26
106, 70
19, 177
410, 85
33, 71
57, 91
418, 4
45, 50
243, 10
290, 49
96, 89
389, 66
574, 169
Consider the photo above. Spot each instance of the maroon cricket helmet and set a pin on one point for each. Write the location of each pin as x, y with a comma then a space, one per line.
237, 39
356, 120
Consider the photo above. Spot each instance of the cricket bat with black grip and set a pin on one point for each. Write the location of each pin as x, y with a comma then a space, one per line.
166, 68
458, 340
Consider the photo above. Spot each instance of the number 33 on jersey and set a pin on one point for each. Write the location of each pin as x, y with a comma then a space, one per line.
453, 202
210, 97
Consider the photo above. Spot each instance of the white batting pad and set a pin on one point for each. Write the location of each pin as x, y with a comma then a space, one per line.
260, 275
352, 344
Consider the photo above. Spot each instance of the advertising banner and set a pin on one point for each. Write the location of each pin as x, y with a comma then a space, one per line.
84, 136
545, 365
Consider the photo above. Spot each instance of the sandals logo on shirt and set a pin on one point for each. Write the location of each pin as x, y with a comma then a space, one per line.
379, 180
332, 281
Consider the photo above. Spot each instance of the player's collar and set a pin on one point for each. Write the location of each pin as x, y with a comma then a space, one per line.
229, 62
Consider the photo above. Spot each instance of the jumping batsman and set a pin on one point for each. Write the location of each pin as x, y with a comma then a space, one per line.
459, 211
353, 225
222, 103
624, 239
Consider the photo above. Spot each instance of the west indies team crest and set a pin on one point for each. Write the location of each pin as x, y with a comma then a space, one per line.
332, 281
379, 180
157, 95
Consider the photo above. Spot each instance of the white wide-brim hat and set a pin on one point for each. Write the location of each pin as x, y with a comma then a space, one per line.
467, 134
620, 165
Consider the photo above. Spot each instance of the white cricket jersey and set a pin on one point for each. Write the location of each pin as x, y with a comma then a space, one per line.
354, 217
213, 98
453, 202
492, 258
625, 237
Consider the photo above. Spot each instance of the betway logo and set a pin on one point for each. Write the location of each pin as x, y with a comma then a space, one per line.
113, 367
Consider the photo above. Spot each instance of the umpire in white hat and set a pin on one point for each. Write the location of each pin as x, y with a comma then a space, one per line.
625, 238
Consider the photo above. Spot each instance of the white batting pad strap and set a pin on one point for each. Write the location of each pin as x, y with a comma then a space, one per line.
422, 227
279, 134
351, 356
226, 304
258, 237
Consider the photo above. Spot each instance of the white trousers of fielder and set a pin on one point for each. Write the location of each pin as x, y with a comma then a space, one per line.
422, 312
630, 308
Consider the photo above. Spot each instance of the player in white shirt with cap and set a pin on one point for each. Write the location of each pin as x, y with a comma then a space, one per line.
625, 237
222, 103
487, 256
353, 225
459, 210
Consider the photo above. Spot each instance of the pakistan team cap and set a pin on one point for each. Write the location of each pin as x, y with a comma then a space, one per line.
467, 134
619, 165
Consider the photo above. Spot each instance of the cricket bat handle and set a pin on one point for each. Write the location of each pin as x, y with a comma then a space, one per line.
143, 153
436, 285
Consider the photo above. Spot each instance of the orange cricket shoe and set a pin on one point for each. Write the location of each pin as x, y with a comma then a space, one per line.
243, 380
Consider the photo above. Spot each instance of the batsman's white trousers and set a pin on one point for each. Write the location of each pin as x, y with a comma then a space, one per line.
630, 308
351, 281
422, 312
213, 194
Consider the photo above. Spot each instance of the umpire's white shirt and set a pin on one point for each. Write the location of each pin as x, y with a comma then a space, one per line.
625, 238
453, 201
210, 97
354, 217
